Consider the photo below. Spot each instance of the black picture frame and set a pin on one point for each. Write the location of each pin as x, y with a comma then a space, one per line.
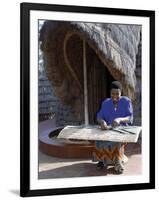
25, 189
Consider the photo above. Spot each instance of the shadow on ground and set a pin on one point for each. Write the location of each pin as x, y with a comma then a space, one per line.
76, 170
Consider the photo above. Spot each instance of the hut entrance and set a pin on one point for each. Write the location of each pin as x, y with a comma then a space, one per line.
99, 80
92, 73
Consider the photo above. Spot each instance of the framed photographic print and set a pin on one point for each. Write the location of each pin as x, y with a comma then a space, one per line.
87, 99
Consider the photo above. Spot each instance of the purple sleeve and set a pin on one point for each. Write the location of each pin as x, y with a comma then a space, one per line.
129, 111
100, 114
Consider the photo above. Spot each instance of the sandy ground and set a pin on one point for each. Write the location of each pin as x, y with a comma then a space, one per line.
53, 167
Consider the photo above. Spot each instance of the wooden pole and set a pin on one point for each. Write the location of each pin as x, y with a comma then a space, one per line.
85, 85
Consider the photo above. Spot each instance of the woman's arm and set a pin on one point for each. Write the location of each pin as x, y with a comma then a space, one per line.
103, 124
128, 112
124, 119
119, 120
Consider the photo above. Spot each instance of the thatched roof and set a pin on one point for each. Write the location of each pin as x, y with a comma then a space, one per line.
115, 45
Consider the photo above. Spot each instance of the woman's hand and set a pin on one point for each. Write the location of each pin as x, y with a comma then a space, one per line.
116, 122
103, 124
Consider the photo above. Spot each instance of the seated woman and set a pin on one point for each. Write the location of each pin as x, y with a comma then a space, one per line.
114, 111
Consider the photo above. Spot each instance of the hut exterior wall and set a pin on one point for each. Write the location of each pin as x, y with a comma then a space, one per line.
50, 105
137, 105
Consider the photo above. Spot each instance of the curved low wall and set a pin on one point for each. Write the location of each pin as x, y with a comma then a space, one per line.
50, 145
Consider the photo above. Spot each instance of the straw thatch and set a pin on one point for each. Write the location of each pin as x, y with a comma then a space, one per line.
115, 45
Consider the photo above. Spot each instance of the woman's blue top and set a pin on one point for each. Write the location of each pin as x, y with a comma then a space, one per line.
109, 112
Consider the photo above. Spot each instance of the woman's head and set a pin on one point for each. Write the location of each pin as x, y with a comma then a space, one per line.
115, 91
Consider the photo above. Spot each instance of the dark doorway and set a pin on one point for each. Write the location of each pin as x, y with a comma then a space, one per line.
99, 80
98, 76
